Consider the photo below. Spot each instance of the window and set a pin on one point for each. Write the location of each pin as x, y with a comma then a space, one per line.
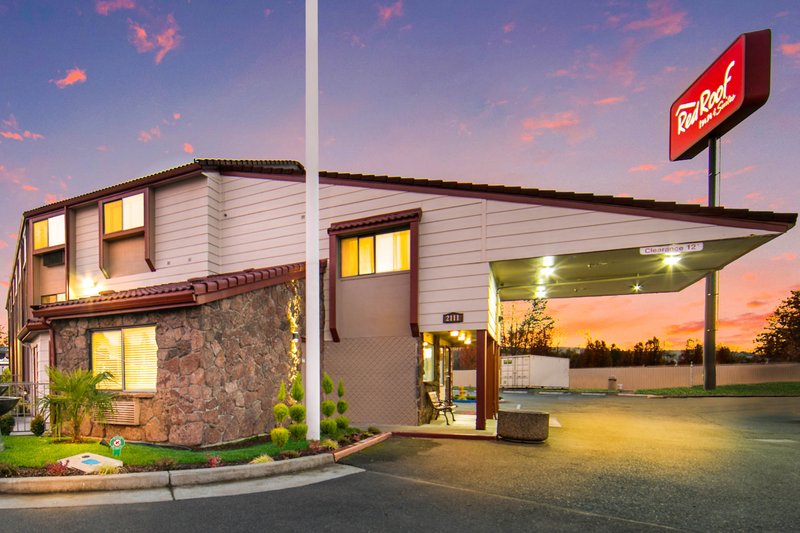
53, 298
48, 232
428, 366
130, 355
123, 214
374, 254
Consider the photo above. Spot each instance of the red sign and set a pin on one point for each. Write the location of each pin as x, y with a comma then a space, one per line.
734, 86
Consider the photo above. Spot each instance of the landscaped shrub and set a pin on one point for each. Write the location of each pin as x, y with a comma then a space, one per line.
330, 444
279, 437
6, 423
290, 454
327, 383
57, 469
107, 470
328, 426
74, 395
281, 411
37, 425
341, 406
342, 422
374, 430
7, 470
282, 392
328, 408
298, 431
214, 461
298, 413
165, 463
261, 459
297, 391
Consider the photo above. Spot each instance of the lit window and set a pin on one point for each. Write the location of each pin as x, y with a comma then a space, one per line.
428, 364
130, 355
370, 254
48, 232
53, 298
124, 214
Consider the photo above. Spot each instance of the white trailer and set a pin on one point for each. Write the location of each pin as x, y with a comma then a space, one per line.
527, 371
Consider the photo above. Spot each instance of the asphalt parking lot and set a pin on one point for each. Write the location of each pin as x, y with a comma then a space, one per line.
616, 464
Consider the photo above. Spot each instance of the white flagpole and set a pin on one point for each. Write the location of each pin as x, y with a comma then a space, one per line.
312, 377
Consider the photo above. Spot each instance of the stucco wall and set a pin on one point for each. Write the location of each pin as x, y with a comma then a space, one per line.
219, 366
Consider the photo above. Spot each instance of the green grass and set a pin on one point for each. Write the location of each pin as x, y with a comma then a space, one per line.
780, 388
35, 452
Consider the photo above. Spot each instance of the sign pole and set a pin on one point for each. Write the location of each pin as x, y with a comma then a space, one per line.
712, 279
312, 377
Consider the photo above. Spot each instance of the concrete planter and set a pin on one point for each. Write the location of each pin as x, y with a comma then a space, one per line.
523, 426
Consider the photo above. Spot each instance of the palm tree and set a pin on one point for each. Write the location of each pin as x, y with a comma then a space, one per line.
73, 395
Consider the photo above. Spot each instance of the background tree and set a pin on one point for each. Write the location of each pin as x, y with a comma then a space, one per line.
693, 353
780, 340
532, 334
3, 336
648, 353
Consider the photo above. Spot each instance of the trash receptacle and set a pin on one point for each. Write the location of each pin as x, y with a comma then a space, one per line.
612, 384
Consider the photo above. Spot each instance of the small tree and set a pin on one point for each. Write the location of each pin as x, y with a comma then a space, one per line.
73, 396
780, 340
693, 353
533, 333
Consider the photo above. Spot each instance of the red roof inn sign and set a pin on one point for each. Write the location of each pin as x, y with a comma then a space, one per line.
734, 86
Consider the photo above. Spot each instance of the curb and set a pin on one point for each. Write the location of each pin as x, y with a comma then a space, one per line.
54, 484
203, 476
357, 447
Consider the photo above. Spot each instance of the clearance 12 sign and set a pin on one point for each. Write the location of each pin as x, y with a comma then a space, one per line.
732, 88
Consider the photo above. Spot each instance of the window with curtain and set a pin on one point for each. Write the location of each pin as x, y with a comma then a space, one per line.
375, 254
49, 232
123, 214
130, 355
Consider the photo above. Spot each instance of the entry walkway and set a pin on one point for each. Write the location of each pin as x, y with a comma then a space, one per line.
462, 428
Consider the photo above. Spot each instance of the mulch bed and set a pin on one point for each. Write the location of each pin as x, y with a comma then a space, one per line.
313, 449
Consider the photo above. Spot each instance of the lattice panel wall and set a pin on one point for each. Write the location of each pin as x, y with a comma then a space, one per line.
380, 378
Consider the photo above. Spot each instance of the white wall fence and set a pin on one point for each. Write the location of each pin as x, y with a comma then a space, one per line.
657, 377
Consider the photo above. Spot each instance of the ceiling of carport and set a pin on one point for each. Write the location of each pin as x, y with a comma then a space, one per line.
615, 272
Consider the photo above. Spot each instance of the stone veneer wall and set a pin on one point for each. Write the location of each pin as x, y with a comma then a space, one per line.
219, 366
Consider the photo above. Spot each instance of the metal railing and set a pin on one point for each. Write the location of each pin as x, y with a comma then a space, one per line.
29, 394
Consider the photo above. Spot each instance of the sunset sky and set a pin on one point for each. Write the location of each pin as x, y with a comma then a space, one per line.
570, 95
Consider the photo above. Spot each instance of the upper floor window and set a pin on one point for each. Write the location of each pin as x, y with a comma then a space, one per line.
49, 232
130, 355
124, 214
374, 254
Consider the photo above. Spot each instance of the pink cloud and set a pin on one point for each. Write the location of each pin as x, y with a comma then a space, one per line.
560, 73
101, 148
176, 116
163, 42
188, 148
678, 176
743, 170
750, 276
611, 100
754, 196
11, 135
663, 21
149, 135
786, 256
34, 136
10, 122
4, 284
104, 7
698, 200
51, 198
509, 27
355, 40
387, 13
790, 49
642, 168
28, 187
551, 122
3, 244
268, 12
74, 76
